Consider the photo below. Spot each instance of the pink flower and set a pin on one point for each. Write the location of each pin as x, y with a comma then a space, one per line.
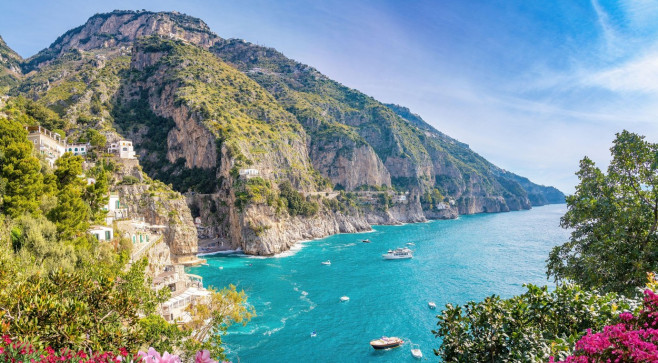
204, 357
169, 358
152, 356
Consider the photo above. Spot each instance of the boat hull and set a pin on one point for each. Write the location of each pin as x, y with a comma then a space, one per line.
389, 257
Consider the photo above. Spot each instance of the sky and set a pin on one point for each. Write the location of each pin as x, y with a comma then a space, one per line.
531, 85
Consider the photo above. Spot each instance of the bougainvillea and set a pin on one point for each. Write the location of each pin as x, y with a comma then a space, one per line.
15, 351
635, 339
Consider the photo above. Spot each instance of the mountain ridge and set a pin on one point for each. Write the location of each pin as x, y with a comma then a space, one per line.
202, 109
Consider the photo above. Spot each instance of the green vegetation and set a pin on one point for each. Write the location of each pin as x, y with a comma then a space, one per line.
527, 328
614, 218
295, 201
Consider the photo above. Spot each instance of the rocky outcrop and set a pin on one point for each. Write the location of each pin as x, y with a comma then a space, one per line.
122, 28
159, 206
265, 233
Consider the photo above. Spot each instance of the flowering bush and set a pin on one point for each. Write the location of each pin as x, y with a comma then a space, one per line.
635, 339
13, 351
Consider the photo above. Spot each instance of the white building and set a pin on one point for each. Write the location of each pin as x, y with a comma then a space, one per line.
115, 210
78, 149
102, 233
49, 144
123, 148
248, 173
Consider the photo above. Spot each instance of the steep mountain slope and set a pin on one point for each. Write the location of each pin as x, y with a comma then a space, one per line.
10, 67
418, 157
262, 138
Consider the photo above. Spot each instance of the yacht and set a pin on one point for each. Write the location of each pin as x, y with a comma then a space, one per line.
398, 253
386, 342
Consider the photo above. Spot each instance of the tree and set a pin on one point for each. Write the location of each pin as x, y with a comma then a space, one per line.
96, 195
71, 213
614, 219
21, 180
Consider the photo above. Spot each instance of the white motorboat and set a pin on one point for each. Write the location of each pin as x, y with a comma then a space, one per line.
313, 334
344, 298
431, 304
327, 262
410, 244
416, 352
398, 254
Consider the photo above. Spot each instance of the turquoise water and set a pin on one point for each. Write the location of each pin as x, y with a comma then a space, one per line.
454, 261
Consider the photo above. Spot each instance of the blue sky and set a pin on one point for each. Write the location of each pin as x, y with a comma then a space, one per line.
531, 85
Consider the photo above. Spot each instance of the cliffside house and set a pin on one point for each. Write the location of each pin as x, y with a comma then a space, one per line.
49, 144
248, 173
102, 233
400, 198
123, 149
186, 289
78, 149
114, 209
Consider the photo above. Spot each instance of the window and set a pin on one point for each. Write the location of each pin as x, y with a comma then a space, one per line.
118, 205
76, 149
108, 235
134, 239
98, 236
141, 238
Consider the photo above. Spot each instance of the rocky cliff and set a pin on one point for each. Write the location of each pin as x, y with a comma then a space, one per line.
156, 204
270, 151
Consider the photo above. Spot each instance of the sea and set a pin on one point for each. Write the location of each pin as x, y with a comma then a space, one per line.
455, 261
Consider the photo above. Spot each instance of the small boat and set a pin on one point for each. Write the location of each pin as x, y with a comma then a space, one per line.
431, 304
313, 334
398, 253
410, 244
365, 241
416, 353
386, 342
344, 298
327, 262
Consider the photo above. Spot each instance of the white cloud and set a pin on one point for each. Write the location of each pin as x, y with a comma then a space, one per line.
636, 75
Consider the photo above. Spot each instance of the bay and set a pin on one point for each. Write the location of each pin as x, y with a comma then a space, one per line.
454, 261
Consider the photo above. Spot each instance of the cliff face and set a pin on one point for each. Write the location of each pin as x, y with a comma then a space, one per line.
159, 206
348, 163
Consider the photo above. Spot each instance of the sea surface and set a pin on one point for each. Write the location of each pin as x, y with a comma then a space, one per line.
454, 261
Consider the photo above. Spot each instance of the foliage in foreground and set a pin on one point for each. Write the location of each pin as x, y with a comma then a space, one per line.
635, 339
614, 219
62, 288
530, 327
